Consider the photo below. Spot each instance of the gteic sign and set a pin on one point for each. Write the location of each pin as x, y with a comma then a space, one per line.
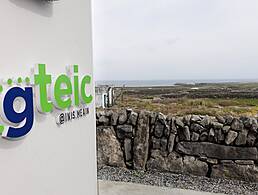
46, 92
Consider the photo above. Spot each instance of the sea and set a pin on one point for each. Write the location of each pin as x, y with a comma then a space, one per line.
157, 83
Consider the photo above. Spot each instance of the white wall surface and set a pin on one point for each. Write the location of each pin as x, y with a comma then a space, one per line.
51, 160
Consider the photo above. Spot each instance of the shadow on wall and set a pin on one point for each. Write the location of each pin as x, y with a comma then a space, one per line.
9, 144
40, 7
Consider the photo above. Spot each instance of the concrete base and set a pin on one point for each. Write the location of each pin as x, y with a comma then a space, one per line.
119, 188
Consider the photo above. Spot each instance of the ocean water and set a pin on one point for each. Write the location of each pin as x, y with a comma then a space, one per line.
153, 83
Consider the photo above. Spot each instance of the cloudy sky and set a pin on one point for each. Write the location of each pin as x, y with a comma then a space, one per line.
175, 39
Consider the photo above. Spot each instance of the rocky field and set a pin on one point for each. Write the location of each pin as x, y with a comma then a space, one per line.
236, 99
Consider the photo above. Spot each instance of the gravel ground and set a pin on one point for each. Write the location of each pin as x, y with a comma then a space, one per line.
178, 181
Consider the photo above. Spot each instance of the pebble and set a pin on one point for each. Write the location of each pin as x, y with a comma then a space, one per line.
178, 181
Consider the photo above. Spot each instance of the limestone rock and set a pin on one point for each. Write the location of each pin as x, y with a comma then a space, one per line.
221, 119
211, 136
205, 122
204, 137
161, 118
104, 120
194, 166
184, 134
217, 125
158, 163
179, 122
226, 129
153, 118
237, 125
251, 123
122, 118
226, 161
172, 163
141, 141
114, 118
251, 137
159, 129
169, 120
235, 171
128, 149
241, 138
166, 130
187, 120
176, 164
108, 113
133, 118
124, 131
163, 144
173, 126
155, 143
244, 162
197, 128
171, 142
212, 161
195, 137
228, 120
187, 133
217, 151
196, 118
219, 136
231, 136
109, 151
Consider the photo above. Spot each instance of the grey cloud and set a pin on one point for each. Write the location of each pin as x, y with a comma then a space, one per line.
175, 39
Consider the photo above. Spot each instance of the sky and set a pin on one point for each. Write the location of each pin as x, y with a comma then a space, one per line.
175, 39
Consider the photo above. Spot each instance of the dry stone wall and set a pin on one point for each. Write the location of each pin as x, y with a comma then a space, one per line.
218, 147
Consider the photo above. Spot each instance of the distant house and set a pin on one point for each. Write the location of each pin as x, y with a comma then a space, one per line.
104, 95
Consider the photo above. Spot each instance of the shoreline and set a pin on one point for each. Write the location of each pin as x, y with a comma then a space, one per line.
170, 83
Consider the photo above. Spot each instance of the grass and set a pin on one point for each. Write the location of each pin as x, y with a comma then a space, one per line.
204, 106
153, 99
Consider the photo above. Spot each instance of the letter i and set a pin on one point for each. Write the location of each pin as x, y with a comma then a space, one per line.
76, 85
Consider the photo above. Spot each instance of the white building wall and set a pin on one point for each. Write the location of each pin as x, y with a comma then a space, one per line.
51, 160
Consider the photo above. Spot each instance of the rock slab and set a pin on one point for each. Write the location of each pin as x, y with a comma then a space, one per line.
141, 141
235, 171
109, 151
217, 151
